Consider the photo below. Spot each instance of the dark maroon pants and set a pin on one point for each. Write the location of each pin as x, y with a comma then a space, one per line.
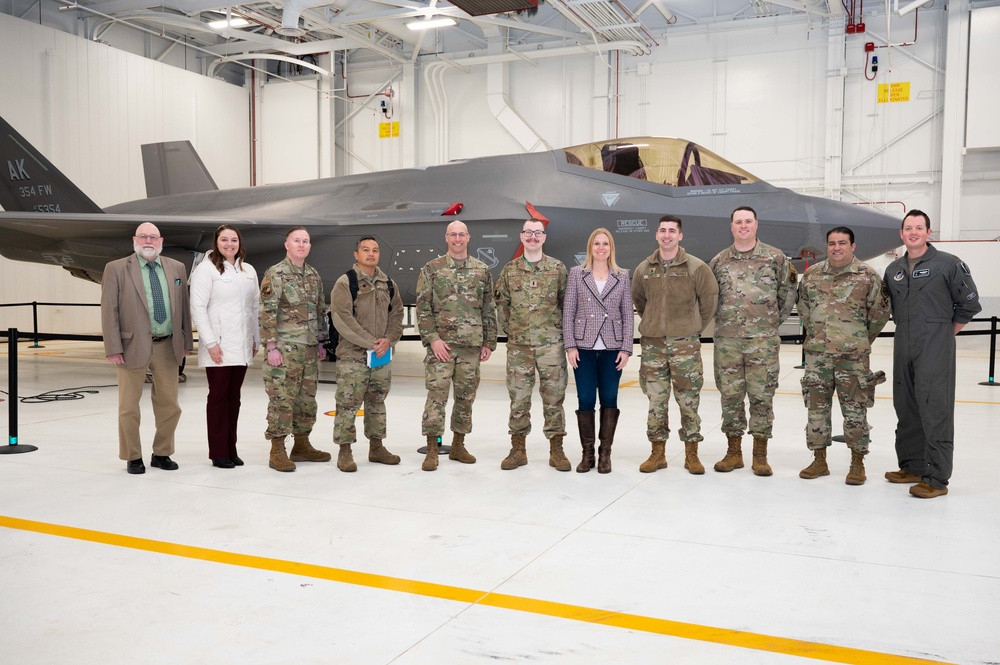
223, 411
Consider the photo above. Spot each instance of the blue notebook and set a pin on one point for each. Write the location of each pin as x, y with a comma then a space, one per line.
375, 361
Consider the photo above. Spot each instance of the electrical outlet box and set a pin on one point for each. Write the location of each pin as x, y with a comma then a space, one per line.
869, 47
860, 27
851, 29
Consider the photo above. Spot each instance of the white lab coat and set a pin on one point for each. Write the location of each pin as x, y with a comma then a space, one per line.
224, 309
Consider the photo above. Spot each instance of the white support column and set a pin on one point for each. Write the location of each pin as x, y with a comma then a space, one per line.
602, 96
406, 105
836, 75
326, 118
953, 133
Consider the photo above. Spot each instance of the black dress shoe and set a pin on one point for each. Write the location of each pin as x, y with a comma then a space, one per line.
163, 462
136, 466
223, 463
236, 461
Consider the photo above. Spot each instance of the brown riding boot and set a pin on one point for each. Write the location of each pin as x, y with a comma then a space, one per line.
734, 456
691, 461
557, 458
345, 460
517, 456
856, 476
818, 467
279, 459
431, 459
609, 423
303, 451
760, 466
657, 458
458, 451
378, 454
585, 422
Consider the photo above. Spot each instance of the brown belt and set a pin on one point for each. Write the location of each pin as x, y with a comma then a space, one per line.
160, 338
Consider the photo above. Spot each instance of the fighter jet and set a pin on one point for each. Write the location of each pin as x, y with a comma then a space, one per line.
623, 185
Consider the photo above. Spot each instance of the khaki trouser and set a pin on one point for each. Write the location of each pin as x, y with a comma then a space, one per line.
166, 410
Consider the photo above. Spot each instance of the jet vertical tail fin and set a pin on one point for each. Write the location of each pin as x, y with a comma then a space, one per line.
174, 167
30, 183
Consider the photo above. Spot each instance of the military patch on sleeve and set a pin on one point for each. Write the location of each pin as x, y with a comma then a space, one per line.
885, 294
972, 296
266, 291
964, 268
793, 275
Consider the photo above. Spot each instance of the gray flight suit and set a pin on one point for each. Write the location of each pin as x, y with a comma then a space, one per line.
925, 304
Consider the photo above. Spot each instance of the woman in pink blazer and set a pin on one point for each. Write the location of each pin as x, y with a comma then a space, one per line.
597, 331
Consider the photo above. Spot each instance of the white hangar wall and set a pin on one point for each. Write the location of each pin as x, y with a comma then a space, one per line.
88, 107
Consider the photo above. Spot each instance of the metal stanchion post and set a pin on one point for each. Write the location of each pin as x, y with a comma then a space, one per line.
993, 352
34, 321
14, 446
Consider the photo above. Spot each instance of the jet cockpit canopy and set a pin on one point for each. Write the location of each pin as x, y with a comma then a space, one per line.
666, 161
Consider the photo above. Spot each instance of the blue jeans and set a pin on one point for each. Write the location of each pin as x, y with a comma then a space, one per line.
595, 374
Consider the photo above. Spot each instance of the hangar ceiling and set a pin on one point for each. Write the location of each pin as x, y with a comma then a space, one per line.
301, 28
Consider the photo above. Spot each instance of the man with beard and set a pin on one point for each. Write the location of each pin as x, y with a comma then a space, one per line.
146, 323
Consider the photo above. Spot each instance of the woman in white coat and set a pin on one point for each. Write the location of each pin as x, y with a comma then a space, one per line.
224, 306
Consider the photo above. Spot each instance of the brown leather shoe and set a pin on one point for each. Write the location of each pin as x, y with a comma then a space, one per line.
925, 491
901, 477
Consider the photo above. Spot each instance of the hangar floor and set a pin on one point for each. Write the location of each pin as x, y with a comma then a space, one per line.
471, 564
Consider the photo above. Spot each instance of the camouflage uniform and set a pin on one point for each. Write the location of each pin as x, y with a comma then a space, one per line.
756, 293
292, 314
676, 300
360, 322
842, 311
529, 303
454, 304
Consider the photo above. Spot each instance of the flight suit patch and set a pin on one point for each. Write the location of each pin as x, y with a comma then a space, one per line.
964, 268
923, 272
898, 277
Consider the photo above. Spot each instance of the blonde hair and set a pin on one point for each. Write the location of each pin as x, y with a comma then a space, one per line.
588, 263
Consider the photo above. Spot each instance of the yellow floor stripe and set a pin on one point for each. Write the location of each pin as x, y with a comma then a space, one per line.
723, 636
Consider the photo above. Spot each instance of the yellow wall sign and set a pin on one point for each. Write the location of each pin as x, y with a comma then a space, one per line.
893, 92
388, 130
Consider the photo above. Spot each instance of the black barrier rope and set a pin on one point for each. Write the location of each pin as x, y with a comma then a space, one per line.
62, 394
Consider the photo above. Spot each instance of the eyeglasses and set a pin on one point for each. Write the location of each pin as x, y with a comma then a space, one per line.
537, 234
147, 238
456, 235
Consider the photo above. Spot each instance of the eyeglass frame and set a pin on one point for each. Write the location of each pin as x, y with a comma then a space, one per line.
148, 238
530, 232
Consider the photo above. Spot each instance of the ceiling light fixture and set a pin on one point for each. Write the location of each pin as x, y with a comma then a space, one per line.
226, 23
427, 24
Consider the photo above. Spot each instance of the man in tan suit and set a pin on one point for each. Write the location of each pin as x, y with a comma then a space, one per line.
146, 323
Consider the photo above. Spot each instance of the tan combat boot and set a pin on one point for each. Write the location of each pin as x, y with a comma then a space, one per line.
431, 459
734, 456
856, 476
345, 460
303, 451
458, 451
517, 456
279, 459
760, 466
818, 467
557, 458
691, 461
378, 454
657, 458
